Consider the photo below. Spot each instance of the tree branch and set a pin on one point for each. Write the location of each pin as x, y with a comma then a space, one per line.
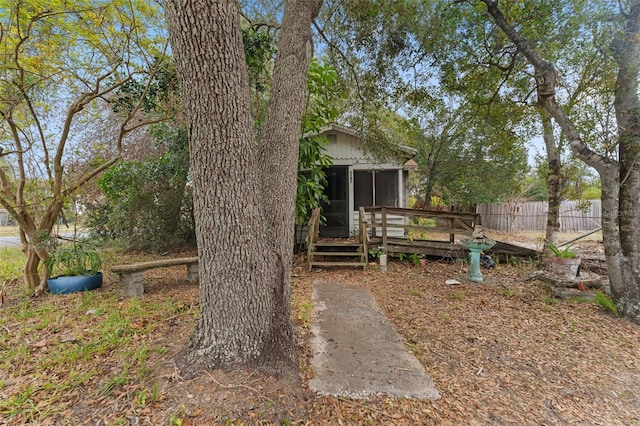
546, 80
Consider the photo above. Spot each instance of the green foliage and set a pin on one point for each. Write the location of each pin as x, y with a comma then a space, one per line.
155, 94
259, 48
148, 203
606, 302
576, 180
73, 259
374, 254
176, 420
414, 258
321, 109
565, 253
311, 177
473, 159
259, 51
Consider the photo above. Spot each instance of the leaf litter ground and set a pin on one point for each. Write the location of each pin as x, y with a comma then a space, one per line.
502, 352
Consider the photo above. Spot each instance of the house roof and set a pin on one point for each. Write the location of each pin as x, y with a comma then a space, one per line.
406, 150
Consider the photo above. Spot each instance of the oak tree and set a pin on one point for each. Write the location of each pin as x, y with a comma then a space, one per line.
244, 192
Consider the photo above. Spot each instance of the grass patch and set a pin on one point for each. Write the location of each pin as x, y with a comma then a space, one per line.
606, 302
304, 314
509, 292
458, 295
12, 263
56, 348
416, 292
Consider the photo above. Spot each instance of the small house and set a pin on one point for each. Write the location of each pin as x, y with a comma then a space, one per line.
357, 179
4, 217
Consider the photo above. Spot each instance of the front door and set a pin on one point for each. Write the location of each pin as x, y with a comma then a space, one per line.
336, 212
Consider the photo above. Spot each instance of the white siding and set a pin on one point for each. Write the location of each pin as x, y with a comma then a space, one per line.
345, 148
391, 219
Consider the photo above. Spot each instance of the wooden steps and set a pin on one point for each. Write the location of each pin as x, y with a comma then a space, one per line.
336, 255
337, 244
316, 263
335, 252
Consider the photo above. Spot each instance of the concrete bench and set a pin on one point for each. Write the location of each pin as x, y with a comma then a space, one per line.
132, 276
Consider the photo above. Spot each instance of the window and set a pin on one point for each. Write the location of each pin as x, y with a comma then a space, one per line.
387, 188
381, 186
362, 189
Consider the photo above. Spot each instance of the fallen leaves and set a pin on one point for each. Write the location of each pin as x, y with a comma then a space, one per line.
500, 352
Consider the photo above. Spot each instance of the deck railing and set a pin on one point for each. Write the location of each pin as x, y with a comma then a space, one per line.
416, 226
362, 230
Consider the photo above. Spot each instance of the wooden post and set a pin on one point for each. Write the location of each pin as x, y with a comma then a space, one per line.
452, 237
374, 232
364, 237
384, 228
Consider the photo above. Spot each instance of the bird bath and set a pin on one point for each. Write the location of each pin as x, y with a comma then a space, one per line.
476, 246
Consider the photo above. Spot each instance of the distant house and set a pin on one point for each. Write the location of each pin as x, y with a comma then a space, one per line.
356, 179
4, 217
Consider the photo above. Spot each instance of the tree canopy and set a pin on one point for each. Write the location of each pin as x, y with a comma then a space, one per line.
63, 62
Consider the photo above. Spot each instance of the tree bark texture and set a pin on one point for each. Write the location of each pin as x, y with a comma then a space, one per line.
242, 195
627, 107
620, 180
553, 181
278, 153
35, 273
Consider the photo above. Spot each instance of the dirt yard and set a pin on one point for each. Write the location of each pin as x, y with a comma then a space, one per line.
503, 352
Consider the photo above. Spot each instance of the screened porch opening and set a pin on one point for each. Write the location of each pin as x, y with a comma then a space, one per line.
375, 188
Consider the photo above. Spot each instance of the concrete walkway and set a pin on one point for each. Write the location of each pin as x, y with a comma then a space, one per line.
356, 350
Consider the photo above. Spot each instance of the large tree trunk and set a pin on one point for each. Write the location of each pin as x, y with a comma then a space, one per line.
620, 180
627, 106
244, 242
278, 153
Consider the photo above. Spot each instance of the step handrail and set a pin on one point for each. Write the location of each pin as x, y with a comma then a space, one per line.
362, 231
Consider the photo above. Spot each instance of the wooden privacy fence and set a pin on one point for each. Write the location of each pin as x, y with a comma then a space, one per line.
532, 216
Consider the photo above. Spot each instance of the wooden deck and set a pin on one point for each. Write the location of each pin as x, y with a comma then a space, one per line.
431, 233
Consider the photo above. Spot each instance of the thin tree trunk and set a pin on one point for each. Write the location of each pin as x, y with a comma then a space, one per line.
35, 273
620, 180
554, 186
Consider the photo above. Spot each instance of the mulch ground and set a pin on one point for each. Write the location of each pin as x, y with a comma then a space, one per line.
503, 352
